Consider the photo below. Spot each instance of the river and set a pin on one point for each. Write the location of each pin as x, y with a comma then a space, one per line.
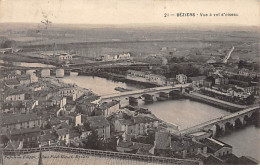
27, 64
185, 113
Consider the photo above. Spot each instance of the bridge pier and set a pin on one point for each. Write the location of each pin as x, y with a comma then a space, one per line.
148, 98
133, 100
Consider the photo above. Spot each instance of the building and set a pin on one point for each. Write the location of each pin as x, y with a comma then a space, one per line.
187, 148
29, 136
171, 81
107, 108
14, 95
124, 56
134, 147
45, 73
101, 125
21, 121
147, 77
162, 143
182, 78
66, 91
24, 79
17, 107
63, 57
58, 101
6, 50
217, 148
197, 81
59, 73
157, 79
132, 126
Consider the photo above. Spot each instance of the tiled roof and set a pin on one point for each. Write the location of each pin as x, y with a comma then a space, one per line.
198, 78
184, 145
62, 131
134, 145
143, 119
13, 119
25, 131
47, 137
214, 144
97, 121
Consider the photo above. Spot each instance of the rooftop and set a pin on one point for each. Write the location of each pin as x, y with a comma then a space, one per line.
18, 118
98, 121
214, 144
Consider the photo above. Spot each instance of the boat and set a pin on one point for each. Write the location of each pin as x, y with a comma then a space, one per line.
120, 89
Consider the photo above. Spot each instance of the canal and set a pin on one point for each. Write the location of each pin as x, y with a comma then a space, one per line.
185, 113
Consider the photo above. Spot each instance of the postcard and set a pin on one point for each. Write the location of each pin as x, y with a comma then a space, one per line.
128, 82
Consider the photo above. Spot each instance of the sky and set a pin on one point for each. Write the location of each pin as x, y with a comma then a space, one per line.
118, 12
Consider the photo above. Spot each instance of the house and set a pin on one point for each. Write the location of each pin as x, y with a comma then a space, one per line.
132, 126
14, 95
24, 79
244, 72
220, 79
63, 134
137, 75
124, 56
179, 148
17, 107
162, 143
63, 57
216, 147
6, 50
171, 81
245, 86
58, 101
29, 136
66, 91
101, 125
182, 78
157, 79
48, 139
134, 147
107, 108
21, 121
187, 148
14, 145
197, 81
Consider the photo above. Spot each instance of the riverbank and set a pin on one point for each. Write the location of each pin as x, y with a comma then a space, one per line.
214, 102
120, 78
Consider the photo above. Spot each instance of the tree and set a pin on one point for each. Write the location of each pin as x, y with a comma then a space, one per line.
92, 140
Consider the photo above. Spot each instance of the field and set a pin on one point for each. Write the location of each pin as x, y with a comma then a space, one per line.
91, 41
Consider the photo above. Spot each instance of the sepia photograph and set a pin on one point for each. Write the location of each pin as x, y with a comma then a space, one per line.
129, 82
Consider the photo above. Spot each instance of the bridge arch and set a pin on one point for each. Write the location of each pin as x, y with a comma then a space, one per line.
238, 123
218, 130
255, 118
228, 127
247, 120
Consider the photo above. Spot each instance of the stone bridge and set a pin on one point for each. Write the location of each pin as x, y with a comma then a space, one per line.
147, 94
225, 123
